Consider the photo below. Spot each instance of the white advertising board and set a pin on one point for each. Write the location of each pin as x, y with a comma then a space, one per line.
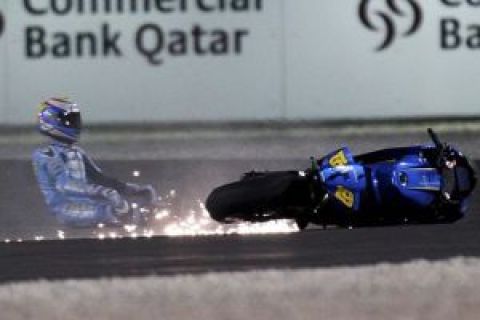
405, 58
3, 63
127, 61
194, 60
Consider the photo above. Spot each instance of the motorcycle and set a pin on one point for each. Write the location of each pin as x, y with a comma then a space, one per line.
405, 185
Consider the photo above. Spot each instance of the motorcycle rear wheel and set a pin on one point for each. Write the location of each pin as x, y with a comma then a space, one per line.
261, 196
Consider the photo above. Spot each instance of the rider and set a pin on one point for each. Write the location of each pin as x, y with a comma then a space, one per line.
75, 189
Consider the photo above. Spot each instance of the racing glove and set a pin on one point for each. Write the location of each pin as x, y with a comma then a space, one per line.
120, 206
147, 192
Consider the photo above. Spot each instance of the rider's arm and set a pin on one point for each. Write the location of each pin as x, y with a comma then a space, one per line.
45, 166
68, 185
66, 181
96, 176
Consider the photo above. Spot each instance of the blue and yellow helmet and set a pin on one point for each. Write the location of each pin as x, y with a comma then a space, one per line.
60, 119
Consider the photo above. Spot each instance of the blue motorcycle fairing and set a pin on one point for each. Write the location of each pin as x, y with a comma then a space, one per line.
419, 186
402, 177
340, 157
345, 184
410, 180
427, 179
343, 179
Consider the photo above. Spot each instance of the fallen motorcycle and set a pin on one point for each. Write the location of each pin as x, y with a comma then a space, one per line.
415, 184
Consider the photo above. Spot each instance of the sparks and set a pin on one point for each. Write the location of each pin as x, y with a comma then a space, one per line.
162, 214
130, 228
148, 233
60, 234
200, 223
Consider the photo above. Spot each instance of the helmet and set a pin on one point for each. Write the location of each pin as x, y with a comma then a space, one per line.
60, 119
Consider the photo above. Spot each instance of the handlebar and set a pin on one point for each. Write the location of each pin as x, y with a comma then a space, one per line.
435, 139
444, 151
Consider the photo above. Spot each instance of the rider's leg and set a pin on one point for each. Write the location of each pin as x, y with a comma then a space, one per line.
86, 213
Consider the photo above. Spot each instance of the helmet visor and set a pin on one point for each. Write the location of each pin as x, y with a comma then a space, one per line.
72, 120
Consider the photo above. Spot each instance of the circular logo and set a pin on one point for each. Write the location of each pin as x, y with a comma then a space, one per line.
384, 20
2, 23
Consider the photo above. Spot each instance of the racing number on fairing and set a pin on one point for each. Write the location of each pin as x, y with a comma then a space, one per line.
345, 196
338, 159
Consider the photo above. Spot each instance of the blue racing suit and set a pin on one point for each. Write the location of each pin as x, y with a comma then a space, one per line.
75, 190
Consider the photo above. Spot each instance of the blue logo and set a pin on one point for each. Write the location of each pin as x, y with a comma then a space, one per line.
384, 20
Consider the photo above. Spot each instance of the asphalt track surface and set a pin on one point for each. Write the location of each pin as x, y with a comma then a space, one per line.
193, 165
77, 258
167, 256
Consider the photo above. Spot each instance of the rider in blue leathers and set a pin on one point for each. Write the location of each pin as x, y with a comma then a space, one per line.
75, 189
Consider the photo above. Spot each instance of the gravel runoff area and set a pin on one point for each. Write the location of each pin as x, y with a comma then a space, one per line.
416, 290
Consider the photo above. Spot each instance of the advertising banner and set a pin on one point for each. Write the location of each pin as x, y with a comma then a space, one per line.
194, 60
3, 62
377, 58
142, 60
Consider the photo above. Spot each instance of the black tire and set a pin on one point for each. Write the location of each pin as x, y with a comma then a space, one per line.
260, 197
